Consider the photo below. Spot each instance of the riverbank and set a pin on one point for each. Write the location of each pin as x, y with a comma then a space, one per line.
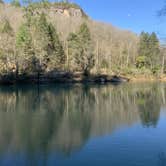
77, 77
146, 78
61, 77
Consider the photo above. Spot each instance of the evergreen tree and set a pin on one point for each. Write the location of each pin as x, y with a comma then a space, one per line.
25, 49
49, 49
74, 50
86, 58
23, 38
148, 51
154, 57
80, 48
55, 48
143, 50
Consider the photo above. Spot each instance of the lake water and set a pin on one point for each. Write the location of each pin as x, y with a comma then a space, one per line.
81, 125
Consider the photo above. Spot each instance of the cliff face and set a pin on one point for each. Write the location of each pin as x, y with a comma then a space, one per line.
71, 12
15, 14
59, 11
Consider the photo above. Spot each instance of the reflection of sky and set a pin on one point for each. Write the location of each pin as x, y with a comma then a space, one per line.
134, 146
163, 110
22, 159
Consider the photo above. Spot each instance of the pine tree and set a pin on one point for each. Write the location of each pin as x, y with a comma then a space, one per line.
25, 49
143, 50
55, 49
74, 50
154, 56
23, 38
81, 49
48, 48
86, 59
148, 52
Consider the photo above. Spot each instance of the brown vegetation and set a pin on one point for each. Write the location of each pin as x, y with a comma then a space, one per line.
115, 51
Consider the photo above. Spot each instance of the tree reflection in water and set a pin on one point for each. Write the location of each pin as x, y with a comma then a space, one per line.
149, 103
62, 118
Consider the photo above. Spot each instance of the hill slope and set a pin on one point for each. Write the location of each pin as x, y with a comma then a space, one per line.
114, 48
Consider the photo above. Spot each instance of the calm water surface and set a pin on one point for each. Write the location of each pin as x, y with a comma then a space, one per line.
78, 125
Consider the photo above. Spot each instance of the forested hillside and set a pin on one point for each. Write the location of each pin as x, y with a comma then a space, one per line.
43, 37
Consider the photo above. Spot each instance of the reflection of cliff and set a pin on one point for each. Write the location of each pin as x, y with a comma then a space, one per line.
63, 118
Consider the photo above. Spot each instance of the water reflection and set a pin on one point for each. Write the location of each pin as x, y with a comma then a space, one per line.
62, 119
149, 103
162, 159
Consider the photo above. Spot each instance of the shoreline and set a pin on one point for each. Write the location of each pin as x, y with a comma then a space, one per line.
147, 78
67, 77
62, 77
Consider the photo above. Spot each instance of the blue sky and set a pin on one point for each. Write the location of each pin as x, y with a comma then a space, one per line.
134, 15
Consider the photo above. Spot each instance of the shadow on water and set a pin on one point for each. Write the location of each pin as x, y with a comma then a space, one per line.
63, 118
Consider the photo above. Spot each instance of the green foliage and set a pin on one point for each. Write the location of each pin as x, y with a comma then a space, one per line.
55, 46
74, 49
23, 37
155, 51
25, 50
49, 44
81, 49
38, 42
141, 61
16, 3
1, 2
148, 52
156, 69
86, 58
143, 50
